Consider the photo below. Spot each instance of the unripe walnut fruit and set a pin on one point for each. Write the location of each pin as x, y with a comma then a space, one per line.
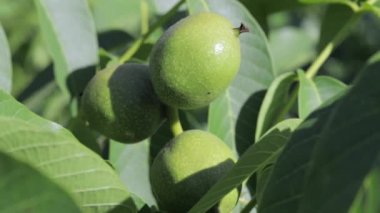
187, 167
195, 60
120, 103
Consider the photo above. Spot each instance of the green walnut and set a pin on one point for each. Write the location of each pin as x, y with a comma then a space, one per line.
187, 167
195, 60
120, 103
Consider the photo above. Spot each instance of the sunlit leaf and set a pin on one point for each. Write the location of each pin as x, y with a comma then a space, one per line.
274, 102
69, 33
27, 190
56, 153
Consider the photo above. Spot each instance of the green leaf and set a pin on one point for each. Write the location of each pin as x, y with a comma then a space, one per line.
56, 153
264, 174
5, 64
309, 98
10, 107
69, 33
335, 17
131, 162
275, 99
284, 187
312, 94
262, 179
254, 159
117, 15
163, 6
368, 198
255, 74
27, 190
283, 40
328, 87
351, 133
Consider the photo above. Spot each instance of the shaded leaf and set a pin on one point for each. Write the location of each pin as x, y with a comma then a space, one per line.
5, 63
27, 190
245, 132
313, 93
69, 33
368, 199
159, 139
351, 133
335, 17
56, 153
264, 174
309, 98
284, 188
328, 87
255, 74
255, 158
275, 99
84, 134
260, 9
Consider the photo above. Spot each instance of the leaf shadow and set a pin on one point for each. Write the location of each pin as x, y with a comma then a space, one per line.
77, 80
186, 195
42, 79
128, 205
246, 122
158, 140
114, 39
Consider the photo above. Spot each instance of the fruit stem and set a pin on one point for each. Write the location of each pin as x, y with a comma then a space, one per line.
135, 46
174, 121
